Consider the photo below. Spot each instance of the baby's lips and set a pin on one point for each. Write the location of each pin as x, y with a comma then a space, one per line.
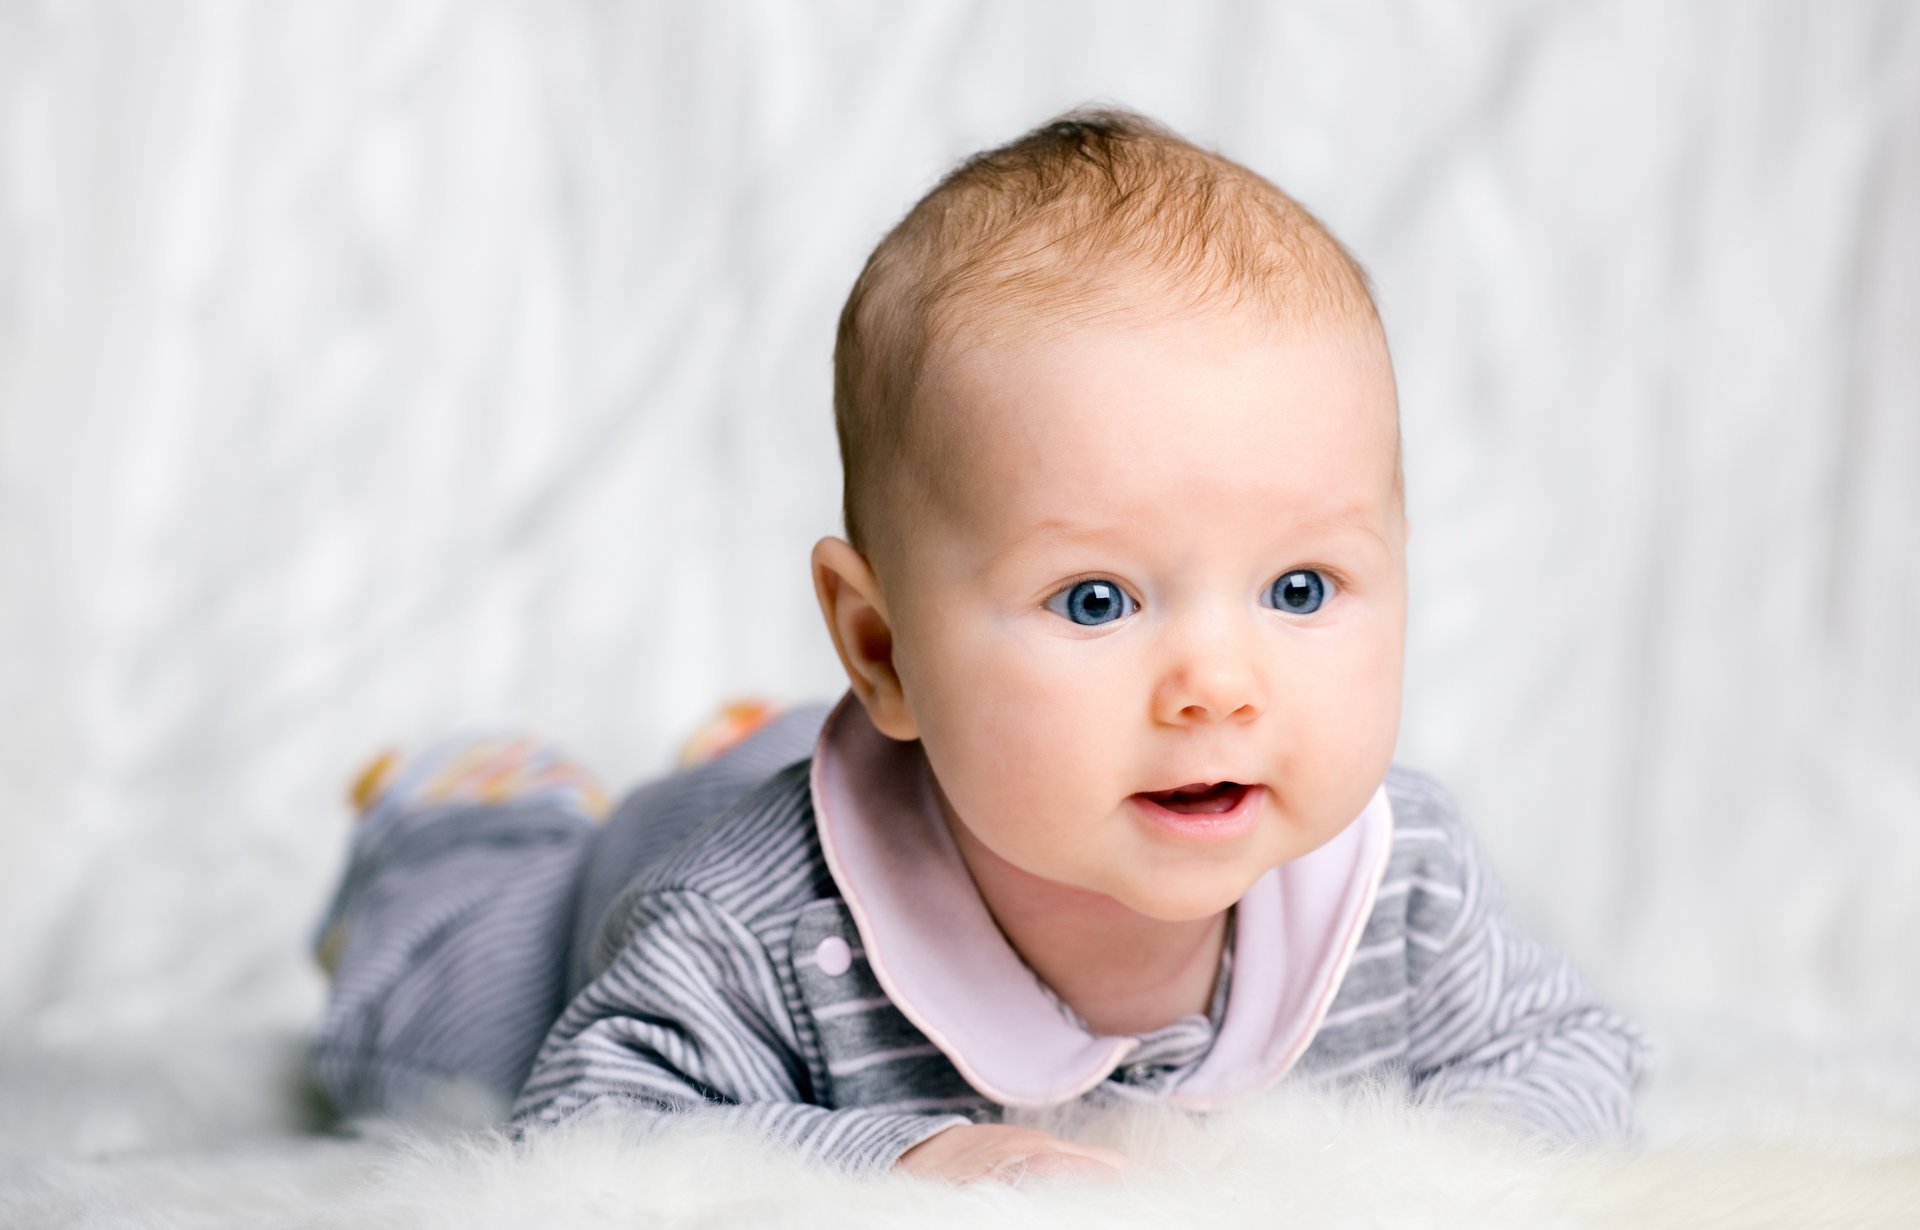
1189, 788
1200, 798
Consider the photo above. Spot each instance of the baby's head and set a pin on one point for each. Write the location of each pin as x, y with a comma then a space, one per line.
1124, 515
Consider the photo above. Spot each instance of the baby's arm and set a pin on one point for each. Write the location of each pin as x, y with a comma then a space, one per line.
689, 1016
1501, 1022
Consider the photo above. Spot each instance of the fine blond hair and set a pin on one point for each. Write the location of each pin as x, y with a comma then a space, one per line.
1098, 213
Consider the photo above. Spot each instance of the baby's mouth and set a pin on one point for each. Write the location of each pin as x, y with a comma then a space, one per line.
1200, 798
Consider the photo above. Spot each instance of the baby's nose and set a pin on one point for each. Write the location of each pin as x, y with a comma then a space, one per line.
1220, 685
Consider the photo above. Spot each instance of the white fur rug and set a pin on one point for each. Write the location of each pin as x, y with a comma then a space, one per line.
1742, 1129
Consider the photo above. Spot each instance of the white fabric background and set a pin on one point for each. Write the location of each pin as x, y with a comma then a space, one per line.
373, 369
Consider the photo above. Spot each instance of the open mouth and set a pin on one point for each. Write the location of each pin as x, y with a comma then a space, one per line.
1200, 798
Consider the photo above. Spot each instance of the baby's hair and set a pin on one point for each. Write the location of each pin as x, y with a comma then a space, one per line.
1098, 214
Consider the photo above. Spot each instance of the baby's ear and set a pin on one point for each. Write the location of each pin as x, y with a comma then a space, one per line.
856, 615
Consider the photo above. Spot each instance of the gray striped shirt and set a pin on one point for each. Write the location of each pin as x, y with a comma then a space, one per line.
731, 975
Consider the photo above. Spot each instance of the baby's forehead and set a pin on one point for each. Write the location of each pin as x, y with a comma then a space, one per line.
1141, 417
1024, 365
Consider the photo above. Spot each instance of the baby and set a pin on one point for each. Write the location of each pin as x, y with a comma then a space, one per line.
1108, 812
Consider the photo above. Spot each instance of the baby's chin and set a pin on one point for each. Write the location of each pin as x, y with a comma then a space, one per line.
1187, 897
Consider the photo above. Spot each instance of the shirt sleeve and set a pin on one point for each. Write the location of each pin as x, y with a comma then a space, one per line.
688, 1018
1503, 1024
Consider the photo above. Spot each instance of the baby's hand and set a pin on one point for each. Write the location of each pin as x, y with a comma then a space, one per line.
970, 1152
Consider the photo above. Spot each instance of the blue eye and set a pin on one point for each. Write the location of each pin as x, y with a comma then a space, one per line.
1300, 592
1092, 603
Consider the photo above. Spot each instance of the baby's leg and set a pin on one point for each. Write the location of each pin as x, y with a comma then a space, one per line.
448, 936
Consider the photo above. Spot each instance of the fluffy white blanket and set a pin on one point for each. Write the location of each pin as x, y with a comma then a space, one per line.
1742, 1130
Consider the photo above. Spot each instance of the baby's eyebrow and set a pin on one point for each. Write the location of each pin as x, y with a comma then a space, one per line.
1351, 518
1060, 527
1049, 529
1052, 529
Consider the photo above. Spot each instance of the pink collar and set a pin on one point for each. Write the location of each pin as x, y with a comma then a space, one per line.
942, 961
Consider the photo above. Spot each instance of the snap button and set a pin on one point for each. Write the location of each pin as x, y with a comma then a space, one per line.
833, 956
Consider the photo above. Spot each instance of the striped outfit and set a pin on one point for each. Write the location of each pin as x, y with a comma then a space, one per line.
786, 937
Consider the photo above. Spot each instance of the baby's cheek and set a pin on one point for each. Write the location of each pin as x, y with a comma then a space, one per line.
1075, 681
1357, 681
1028, 705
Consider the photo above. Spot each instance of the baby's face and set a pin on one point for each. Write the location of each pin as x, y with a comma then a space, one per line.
1169, 554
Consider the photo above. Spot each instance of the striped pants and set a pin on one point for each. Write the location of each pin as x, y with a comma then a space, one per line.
460, 930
